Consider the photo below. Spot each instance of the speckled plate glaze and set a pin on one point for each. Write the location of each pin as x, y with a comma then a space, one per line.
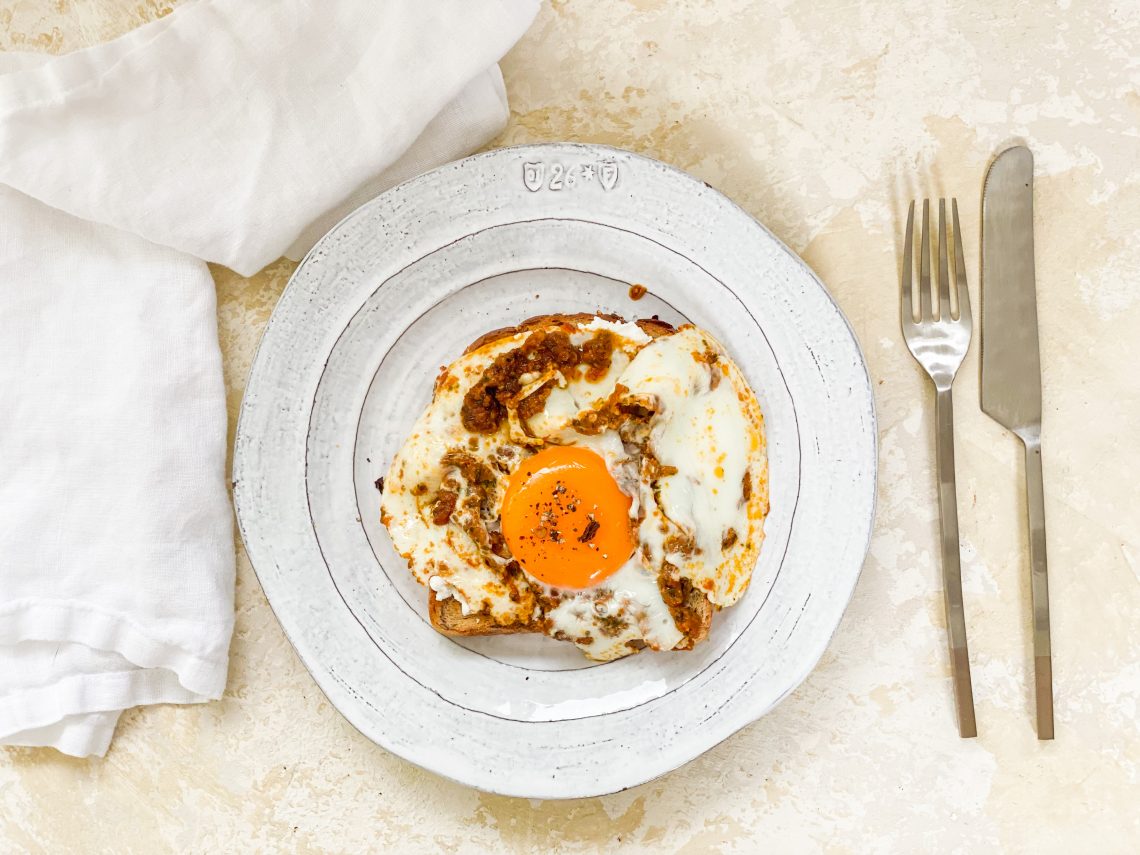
347, 363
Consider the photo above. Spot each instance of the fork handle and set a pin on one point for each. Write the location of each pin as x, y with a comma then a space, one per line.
1039, 588
952, 565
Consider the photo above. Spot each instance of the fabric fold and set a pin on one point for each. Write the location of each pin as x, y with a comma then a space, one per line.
226, 128
116, 534
227, 131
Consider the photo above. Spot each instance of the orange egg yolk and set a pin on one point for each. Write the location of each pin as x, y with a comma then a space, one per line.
565, 519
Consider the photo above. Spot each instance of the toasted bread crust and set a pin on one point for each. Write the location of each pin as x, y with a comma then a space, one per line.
447, 617
534, 323
652, 327
699, 619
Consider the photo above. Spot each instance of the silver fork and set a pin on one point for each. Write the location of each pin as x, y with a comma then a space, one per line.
939, 342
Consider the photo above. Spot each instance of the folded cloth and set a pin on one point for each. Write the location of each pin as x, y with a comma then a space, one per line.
228, 131
116, 550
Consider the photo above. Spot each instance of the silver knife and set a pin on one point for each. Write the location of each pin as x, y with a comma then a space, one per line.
1011, 370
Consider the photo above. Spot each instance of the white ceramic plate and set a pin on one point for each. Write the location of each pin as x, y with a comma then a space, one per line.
347, 364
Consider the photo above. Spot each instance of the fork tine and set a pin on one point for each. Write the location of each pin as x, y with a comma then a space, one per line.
943, 270
924, 267
906, 310
960, 268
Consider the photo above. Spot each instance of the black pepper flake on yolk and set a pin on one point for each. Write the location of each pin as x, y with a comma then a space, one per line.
565, 519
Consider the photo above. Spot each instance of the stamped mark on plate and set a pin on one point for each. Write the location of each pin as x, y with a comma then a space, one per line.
556, 176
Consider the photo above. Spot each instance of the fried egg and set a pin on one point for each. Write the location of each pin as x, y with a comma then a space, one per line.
576, 473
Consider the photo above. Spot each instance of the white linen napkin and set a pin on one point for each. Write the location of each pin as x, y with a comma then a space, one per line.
230, 131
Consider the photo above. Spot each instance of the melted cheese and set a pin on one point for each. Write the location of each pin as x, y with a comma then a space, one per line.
709, 431
626, 607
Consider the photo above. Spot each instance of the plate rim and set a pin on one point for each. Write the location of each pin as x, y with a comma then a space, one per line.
243, 437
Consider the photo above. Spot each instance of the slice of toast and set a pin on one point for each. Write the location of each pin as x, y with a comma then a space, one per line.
447, 617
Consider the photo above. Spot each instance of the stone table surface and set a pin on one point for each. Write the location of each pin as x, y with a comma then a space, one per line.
823, 120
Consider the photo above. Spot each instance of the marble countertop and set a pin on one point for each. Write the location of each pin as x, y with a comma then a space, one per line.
822, 120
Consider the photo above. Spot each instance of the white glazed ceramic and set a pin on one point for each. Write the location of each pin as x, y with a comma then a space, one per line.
347, 364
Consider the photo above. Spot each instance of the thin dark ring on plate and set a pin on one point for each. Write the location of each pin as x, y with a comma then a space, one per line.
791, 522
356, 439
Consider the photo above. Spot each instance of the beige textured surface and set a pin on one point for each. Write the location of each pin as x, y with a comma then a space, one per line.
822, 119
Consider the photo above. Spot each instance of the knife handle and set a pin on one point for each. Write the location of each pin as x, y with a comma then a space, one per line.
952, 564
1039, 587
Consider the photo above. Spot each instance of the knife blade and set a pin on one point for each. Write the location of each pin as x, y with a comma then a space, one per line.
1011, 371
